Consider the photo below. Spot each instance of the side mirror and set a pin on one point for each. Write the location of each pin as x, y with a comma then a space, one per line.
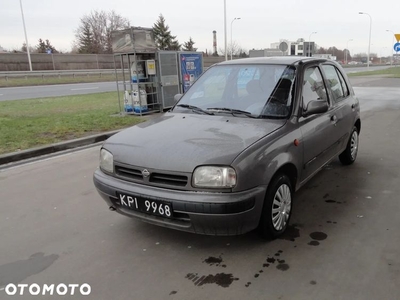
316, 107
177, 97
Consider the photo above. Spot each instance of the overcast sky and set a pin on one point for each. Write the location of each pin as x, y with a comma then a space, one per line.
262, 21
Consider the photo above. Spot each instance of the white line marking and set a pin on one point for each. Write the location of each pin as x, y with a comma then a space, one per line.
91, 88
1, 289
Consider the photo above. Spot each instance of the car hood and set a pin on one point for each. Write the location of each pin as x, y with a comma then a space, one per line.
180, 142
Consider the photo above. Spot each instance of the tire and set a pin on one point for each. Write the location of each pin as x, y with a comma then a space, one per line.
277, 207
349, 155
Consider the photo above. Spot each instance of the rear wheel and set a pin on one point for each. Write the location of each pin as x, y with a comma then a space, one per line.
277, 207
349, 155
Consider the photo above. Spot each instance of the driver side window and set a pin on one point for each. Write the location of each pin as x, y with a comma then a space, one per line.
313, 86
211, 90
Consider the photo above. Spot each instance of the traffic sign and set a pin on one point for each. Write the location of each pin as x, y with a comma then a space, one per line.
397, 35
396, 47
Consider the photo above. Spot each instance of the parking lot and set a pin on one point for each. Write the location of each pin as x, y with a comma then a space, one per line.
343, 242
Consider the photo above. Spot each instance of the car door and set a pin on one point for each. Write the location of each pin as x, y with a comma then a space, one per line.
342, 105
317, 130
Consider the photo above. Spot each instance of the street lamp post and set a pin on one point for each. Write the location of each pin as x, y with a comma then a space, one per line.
225, 37
347, 49
309, 42
391, 46
26, 37
231, 36
370, 29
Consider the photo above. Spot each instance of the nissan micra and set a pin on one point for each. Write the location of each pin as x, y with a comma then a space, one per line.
230, 154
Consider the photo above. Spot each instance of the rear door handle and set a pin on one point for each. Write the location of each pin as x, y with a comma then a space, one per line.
333, 118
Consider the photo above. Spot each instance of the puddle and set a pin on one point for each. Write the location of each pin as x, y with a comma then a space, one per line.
220, 279
319, 236
333, 201
271, 260
292, 232
313, 243
283, 267
18, 271
214, 261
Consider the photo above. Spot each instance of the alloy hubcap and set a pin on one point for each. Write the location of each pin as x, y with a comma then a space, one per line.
281, 207
354, 145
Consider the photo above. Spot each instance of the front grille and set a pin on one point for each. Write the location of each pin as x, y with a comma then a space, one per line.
128, 173
156, 178
177, 180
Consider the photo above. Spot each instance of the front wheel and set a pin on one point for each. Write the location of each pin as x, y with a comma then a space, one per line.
349, 155
277, 207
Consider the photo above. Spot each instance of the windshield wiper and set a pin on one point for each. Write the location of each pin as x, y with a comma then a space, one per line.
195, 108
234, 111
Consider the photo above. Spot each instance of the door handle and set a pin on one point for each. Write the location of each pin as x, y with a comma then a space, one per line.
333, 118
353, 106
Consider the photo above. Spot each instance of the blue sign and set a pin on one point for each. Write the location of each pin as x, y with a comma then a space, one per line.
191, 68
396, 47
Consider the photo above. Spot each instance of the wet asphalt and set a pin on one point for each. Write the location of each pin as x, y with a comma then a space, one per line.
343, 241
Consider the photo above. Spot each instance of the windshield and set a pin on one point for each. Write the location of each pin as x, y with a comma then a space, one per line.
255, 90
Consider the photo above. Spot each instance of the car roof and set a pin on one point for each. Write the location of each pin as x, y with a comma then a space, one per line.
273, 60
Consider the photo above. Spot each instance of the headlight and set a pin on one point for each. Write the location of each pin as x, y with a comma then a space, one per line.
106, 161
214, 177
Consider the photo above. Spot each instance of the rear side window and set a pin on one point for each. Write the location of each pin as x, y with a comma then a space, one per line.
344, 85
336, 83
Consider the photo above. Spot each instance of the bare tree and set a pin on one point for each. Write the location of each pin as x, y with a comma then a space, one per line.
236, 49
94, 32
24, 49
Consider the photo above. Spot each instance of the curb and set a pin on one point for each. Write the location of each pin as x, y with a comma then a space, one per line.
57, 147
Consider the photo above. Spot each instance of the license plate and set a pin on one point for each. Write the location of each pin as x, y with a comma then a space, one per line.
154, 207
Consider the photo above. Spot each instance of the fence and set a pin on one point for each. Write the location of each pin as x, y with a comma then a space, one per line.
10, 62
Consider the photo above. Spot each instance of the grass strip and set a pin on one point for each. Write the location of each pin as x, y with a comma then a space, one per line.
36, 122
393, 72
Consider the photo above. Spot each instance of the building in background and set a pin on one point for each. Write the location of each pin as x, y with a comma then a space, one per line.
265, 52
286, 47
326, 56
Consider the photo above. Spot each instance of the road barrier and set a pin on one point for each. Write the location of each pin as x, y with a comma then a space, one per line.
57, 73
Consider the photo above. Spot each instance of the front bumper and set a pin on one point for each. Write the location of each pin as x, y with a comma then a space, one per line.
198, 212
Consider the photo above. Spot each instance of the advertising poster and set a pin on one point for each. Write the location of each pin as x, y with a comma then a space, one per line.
191, 68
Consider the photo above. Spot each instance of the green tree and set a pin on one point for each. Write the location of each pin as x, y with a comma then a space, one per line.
163, 37
175, 46
85, 40
50, 47
44, 47
188, 46
41, 47
243, 54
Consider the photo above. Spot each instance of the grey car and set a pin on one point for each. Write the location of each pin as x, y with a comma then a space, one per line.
229, 156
